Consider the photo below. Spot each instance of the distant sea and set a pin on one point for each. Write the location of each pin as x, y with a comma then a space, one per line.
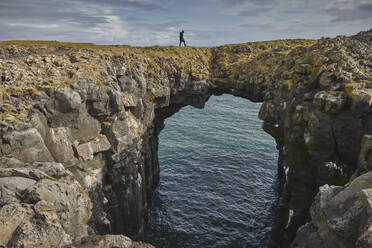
218, 185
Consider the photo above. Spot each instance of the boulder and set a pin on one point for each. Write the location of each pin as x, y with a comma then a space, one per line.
341, 216
42, 229
68, 100
11, 216
118, 133
60, 144
87, 150
39, 122
127, 84
98, 100
28, 146
85, 128
42, 212
116, 101
11, 186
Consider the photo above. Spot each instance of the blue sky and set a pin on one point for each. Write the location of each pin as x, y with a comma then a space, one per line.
158, 22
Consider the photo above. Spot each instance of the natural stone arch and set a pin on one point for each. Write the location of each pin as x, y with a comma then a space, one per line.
104, 107
293, 102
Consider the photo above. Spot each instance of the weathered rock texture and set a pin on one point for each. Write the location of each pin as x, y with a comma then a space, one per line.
109, 241
80, 125
341, 216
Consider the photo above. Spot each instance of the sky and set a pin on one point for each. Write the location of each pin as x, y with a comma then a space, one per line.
158, 22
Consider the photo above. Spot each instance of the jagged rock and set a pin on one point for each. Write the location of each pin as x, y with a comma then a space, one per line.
42, 229
68, 100
98, 100
116, 100
97, 162
127, 84
87, 150
10, 186
28, 146
330, 102
118, 133
52, 169
85, 127
10, 162
362, 101
341, 216
325, 80
132, 87
43, 212
106, 241
69, 202
307, 237
60, 144
11, 216
129, 100
321, 142
316, 104
39, 122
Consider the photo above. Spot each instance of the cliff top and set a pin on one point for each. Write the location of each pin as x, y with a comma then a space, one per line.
29, 68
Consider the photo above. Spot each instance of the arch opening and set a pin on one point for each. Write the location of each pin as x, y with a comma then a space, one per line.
219, 183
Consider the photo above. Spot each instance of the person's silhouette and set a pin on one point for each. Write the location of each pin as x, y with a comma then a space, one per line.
181, 38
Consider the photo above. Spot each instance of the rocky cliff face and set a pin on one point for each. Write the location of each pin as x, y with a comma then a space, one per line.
80, 125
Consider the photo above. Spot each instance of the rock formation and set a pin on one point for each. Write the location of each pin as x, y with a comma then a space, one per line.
341, 216
80, 126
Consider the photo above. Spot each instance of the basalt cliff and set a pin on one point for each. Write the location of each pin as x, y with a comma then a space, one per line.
80, 125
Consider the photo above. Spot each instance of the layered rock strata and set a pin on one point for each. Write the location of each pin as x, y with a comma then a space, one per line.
80, 126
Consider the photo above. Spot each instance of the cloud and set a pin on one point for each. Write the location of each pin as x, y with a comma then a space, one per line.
208, 22
346, 10
66, 21
124, 4
248, 8
253, 12
113, 30
144, 33
264, 26
366, 7
255, 2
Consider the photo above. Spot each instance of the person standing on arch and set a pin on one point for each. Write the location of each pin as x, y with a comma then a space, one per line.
181, 38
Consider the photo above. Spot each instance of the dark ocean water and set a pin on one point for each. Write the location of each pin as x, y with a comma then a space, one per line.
218, 178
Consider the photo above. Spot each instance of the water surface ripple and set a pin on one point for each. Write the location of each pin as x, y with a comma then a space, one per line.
218, 178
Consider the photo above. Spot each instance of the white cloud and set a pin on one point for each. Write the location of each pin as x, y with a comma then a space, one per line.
157, 22
113, 30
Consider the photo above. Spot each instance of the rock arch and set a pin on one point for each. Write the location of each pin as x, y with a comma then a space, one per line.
104, 106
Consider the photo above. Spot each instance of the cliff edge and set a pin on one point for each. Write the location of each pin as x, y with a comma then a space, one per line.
80, 126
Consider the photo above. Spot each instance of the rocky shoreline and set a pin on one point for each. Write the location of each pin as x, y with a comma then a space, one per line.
80, 126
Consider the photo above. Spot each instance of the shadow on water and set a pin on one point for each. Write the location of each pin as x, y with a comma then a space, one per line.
219, 185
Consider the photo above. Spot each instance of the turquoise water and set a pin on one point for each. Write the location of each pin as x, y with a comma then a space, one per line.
218, 183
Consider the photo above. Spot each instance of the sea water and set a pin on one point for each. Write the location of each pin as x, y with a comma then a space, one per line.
218, 185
